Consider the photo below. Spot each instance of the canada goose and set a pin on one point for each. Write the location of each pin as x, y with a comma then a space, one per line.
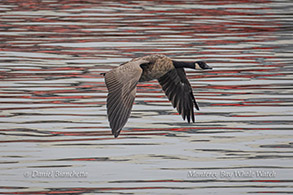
121, 83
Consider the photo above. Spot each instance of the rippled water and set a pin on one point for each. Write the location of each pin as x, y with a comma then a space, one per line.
54, 131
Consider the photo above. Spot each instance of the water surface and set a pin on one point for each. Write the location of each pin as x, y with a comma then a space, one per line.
54, 132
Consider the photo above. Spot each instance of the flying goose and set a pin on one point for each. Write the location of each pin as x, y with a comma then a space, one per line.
121, 84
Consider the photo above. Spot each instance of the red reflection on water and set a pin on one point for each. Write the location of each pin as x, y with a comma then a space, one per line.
180, 129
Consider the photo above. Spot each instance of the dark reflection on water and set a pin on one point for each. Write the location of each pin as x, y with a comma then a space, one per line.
53, 114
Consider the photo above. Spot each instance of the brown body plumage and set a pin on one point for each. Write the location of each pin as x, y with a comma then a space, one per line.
158, 66
121, 83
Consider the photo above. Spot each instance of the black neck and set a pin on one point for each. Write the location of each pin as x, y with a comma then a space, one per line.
179, 64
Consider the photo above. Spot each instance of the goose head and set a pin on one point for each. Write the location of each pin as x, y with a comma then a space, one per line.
201, 65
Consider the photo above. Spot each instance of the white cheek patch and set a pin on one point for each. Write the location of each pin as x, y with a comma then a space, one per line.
197, 66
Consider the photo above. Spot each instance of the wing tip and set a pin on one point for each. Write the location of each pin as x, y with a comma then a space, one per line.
116, 133
195, 104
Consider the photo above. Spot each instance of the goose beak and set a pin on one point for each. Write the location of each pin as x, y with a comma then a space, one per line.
208, 67
205, 66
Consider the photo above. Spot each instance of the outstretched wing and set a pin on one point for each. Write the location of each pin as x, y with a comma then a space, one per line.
179, 91
121, 83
